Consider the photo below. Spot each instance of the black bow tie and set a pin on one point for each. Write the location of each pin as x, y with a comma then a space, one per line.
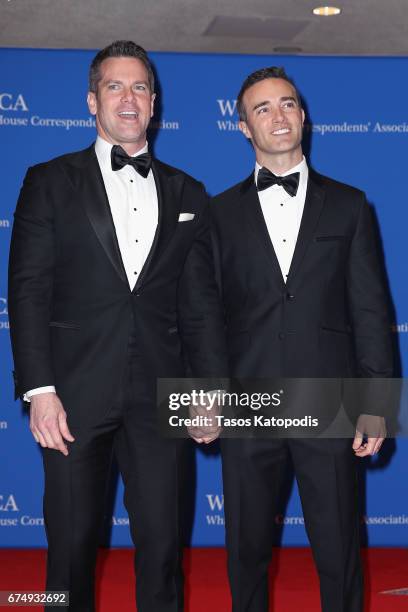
141, 163
266, 178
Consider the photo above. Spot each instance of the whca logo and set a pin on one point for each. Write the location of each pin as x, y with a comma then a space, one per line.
229, 122
4, 323
8, 503
10, 102
216, 517
216, 502
227, 107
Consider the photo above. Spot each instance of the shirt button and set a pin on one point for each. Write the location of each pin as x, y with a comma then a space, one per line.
131, 180
281, 203
135, 209
136, 240
134, 272
284, 240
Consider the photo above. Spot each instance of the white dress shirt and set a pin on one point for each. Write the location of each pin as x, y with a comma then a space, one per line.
283, 214
135, 212
134, 206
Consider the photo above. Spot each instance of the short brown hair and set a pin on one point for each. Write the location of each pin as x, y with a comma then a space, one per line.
119, 48
272, 72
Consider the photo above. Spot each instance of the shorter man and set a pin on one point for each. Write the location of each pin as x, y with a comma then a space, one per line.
303, 297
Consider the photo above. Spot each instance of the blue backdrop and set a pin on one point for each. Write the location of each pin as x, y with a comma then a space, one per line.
357, 132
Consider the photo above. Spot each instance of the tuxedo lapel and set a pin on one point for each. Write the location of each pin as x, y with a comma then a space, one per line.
311, 213
253, 216
169, 198
96, 205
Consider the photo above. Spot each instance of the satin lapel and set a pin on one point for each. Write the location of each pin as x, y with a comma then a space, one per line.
96, 204
311, 213
256, 222
169, 208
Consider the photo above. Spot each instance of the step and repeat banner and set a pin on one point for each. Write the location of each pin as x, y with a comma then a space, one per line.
356, 132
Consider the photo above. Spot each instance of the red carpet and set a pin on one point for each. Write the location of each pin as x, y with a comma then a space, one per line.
295, 585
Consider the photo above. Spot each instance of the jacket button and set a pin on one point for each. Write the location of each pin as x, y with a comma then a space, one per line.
281, 336
290, 296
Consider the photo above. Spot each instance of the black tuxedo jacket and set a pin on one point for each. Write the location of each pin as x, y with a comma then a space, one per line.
71, 307
330, 319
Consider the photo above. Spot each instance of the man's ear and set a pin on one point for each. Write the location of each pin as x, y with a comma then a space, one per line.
92, 104
244, 129
303, 116
153, 98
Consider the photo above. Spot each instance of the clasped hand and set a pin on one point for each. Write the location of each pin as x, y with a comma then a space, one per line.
207, 409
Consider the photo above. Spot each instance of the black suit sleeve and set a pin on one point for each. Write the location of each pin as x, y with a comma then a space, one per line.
31, 272
199, 306
369, 310
368, 301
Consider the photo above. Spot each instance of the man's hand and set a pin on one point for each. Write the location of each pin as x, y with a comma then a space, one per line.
48, 422
207, 409
373, 429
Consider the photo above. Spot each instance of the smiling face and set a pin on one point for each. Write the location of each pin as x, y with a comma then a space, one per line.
274, 123
123, 103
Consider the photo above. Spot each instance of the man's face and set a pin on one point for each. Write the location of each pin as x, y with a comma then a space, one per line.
274, 119
123, 104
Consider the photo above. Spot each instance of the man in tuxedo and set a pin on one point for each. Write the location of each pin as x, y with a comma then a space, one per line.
304, 297
111, 287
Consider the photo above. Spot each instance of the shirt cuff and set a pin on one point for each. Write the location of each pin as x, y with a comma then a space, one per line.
27, 396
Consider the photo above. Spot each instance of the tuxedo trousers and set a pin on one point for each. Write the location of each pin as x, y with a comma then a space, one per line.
75, 498
325, 470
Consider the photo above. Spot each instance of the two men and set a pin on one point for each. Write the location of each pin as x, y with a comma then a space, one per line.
303, 297
111, 287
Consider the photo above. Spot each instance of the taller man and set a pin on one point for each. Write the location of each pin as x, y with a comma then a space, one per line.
111, 286
304, 297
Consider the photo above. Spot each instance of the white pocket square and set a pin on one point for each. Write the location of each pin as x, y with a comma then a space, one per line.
186, 216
